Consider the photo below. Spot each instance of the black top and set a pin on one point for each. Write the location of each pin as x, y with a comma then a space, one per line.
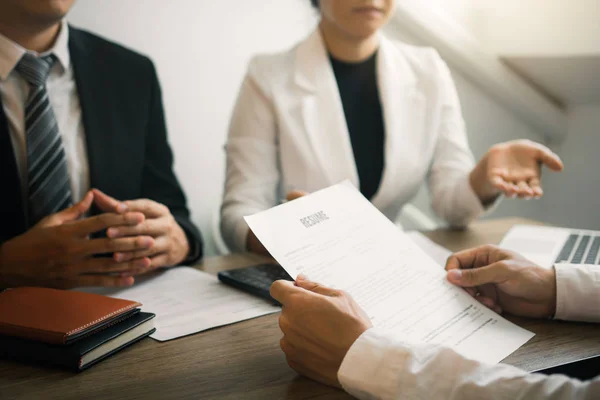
357, 83
127, 145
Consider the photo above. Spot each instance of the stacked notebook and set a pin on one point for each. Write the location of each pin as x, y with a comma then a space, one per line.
67, 329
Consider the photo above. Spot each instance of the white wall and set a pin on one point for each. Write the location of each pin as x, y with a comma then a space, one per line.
201, 50
574, 200
542, 26
469, 14
527, 26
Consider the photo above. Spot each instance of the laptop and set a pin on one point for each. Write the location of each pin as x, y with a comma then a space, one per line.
547, 246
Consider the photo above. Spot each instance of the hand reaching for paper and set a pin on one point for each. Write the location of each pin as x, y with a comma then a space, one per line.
170, 245
295, 194
504, 281
253, 244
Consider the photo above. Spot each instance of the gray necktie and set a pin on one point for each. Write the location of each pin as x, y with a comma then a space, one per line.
49, 188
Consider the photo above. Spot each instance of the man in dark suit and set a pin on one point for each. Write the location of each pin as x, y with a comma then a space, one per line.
78, 112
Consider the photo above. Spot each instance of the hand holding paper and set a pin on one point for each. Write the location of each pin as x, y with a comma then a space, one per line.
338, 238
505, 281
320, 315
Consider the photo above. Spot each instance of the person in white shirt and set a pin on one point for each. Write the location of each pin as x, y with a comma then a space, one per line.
329, 338
348, 103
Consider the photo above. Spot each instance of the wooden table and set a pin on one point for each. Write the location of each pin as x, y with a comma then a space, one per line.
243, 361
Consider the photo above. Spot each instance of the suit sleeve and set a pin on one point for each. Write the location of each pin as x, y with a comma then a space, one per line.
159, 182
453, 198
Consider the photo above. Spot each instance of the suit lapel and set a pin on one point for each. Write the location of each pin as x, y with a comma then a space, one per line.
12, 210
322, 111
403, 106
95, 109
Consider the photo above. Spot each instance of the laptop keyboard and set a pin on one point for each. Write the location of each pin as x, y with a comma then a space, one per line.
580, 249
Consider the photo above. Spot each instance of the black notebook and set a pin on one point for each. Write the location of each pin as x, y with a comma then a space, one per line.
83, 353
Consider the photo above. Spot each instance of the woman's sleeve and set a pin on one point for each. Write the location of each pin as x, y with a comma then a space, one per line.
253, 171
453, 198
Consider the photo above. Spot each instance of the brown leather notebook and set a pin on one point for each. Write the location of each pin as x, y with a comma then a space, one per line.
59, 316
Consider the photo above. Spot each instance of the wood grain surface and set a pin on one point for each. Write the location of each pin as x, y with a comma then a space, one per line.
243, 361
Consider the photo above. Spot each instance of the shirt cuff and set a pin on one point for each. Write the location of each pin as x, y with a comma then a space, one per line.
241, 235
194, 239
470, 206
369, 369
577, 292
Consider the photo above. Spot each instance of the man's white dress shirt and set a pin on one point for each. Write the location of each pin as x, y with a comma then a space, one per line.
62, 90
379, 366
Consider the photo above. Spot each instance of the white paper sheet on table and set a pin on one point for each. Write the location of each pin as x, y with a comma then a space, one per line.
186, 300
438, 253
338, 238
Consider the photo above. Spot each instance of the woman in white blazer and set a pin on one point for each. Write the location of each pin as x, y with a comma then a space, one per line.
304, 122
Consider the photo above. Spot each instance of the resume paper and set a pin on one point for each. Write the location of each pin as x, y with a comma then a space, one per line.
436, 252
338, 238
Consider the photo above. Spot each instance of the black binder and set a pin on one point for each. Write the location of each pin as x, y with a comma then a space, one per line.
83, 353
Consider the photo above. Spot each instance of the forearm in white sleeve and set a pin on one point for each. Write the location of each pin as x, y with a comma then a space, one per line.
252, 172
453, 198
378, 366
577, 292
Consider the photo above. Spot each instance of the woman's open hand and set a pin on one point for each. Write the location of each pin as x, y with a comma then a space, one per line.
514, 169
